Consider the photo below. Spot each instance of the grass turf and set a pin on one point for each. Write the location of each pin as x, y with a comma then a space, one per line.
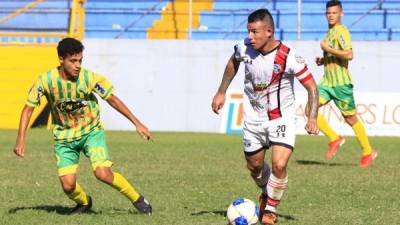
191, 178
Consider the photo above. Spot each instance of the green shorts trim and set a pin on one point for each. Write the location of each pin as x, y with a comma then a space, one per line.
341, 95
93, 145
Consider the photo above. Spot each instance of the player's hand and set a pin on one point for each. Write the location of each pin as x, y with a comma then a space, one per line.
319, 61
218, 102
144, 132
19, 149
312, 127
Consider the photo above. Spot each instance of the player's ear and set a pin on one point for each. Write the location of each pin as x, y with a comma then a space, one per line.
270, 32
60, 59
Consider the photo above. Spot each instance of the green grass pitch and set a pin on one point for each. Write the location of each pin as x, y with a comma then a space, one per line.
191, 178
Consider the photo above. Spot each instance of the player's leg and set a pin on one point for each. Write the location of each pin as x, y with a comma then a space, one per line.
118, 182
278, 180
346, 105
325, 95
96, 149
282, 138
67, 163
255, 144
259, 169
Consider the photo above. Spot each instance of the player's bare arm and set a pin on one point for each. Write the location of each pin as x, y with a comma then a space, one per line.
120, 106
26, 114
230, 71
343, 54
312, 106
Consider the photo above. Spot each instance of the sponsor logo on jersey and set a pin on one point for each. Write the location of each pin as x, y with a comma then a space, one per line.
260, 86
277, 68
39, 91
70, 105
99, 89
342, 40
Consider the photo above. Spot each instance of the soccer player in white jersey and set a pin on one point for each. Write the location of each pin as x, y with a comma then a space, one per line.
269, 106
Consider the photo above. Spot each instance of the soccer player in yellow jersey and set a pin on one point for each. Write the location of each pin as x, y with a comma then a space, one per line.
336, 84
70, 91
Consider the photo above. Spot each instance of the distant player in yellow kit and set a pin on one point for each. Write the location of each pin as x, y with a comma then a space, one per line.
336, 84
70, 91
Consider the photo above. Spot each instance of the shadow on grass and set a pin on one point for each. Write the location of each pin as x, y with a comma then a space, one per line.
319, 163
216, 212
286, 217
62, 210
223, 213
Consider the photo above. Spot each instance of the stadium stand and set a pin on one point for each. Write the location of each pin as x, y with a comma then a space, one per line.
211, 19
367, 19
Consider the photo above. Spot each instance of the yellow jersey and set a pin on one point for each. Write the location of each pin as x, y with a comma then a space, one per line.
73, 105
336, 72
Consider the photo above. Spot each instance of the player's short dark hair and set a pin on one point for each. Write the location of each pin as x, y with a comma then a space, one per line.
261, 15
333, 3
69, 46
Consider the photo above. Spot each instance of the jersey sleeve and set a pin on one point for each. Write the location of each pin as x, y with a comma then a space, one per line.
344, 39
240, 51
297, 65
102, 86
35, 93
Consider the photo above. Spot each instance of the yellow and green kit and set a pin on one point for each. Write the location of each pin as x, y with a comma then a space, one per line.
75, 115
336, 83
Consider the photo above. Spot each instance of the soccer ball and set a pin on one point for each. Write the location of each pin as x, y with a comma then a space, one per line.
242, 211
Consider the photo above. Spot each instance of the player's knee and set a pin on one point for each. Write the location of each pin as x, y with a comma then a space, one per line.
104, 176
279, 167
351, 120
68, 187
255, 166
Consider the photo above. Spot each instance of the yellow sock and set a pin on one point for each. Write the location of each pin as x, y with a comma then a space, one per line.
362, 138
123, 186
325, 128
78, 195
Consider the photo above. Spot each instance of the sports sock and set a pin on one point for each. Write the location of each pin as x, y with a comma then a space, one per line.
362, 138
262, 177
123, 186
275, 187
325, 128
78, 195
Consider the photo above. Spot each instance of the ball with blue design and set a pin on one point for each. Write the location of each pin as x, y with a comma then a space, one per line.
242, 211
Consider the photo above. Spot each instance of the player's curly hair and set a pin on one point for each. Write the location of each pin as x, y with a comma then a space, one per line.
261, 15
69, 46
333, 3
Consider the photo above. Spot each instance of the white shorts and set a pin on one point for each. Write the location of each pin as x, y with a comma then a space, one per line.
259, 135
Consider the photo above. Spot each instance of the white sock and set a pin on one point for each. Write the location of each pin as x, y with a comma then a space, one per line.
275, 189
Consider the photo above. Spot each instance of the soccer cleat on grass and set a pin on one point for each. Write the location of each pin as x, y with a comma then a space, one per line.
78, 209
143, 206
263, 204
268, 218
334, 146
367, 160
